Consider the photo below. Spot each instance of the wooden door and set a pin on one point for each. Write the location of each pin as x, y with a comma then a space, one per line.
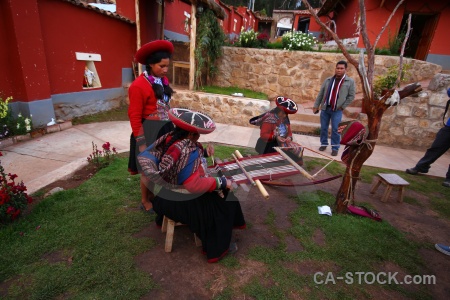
427, 35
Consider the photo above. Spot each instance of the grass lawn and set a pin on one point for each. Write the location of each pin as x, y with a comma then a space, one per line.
231, 90
80, 244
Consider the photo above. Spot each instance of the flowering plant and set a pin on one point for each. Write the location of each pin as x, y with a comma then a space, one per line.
263, 39
248, 38
10, 126
13, 196
103, 158
297, 40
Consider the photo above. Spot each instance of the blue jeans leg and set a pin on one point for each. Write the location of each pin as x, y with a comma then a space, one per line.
336, 117
325, 117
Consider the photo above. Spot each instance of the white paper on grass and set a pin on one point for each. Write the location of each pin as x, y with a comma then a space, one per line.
324, 210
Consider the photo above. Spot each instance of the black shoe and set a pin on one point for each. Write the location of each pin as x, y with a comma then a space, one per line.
322, 148
414, 171
446, 183
334, 152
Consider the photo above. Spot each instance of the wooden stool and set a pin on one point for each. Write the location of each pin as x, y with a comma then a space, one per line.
390, 180
168, 226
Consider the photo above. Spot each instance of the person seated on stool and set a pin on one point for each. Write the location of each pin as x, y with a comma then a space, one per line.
276, 130
184, 192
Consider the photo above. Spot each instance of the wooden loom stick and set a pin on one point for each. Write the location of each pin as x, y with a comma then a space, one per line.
293, 163
256, 182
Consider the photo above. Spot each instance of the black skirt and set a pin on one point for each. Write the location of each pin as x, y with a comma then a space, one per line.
153, 129
264, 147
209, 216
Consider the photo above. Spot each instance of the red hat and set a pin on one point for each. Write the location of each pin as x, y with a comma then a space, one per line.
287, 105
191, 121
154, 46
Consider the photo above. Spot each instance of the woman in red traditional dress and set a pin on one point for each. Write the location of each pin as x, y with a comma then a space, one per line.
276, 130
184, 190
149, 97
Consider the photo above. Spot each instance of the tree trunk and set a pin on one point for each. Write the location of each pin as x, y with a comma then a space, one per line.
358, 154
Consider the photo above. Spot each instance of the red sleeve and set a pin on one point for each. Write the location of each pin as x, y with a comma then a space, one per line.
142, 103
267, 131
196, 184
289, 133
136, 108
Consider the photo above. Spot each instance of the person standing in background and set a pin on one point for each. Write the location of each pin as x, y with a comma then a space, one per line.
439, 146
149, 96
335, 94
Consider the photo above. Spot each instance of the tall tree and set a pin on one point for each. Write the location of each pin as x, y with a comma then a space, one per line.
373, 106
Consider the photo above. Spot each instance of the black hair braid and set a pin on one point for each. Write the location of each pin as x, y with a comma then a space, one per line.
177, 134
168, 91
159, 91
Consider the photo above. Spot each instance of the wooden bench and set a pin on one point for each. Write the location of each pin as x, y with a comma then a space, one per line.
179, 64
168, 226
391, 181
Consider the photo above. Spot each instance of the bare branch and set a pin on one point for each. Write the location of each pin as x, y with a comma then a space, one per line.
387, 23
363, 25
341, 46
369, 49
402, 51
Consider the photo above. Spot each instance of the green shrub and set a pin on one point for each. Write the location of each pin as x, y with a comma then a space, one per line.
383, 51
387, 81
10, 126
275, 45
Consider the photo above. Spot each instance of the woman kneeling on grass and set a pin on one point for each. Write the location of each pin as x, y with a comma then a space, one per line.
175, 162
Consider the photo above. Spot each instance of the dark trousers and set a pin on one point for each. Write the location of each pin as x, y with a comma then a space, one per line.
440, 145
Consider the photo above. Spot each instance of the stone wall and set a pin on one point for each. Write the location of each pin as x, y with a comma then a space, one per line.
415, 121
221, 108
297, 74
410, 125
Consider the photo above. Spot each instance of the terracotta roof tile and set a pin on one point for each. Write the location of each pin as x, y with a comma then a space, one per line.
98, 10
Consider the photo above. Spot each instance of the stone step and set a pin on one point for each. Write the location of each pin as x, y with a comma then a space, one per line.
305, 117
352, 112
305, 127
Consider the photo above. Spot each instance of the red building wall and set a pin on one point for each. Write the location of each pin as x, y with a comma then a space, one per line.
26, 74
8, 74
126, 8
376, 18
175, 16
441, 42
226, 22
84, 31
345, 19
149, 22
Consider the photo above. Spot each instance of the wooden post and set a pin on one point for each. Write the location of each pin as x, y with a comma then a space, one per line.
163, 9
293, 163
192, 45
138, 32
